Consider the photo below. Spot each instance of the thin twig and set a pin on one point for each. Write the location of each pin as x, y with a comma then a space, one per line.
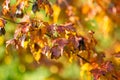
83, 58
114, 77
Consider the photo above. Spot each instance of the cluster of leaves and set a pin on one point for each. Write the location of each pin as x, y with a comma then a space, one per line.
55, 40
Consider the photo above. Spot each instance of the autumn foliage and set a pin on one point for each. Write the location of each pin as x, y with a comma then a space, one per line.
65, 33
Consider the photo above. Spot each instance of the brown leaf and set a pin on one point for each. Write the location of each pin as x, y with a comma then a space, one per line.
2, 22
5, 7
45, 5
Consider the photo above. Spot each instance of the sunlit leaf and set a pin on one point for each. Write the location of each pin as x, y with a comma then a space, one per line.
56, 12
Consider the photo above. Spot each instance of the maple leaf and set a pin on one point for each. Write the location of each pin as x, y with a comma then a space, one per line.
65, 30
73, 41
69, 26
107, 66
103, 69
60, 29
97, 73
55, 52
61, 42
77, 42
52, 31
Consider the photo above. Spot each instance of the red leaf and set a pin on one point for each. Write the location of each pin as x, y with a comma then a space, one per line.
107, 66
60, 29
69, 27
55, 52
96, 73
61, 42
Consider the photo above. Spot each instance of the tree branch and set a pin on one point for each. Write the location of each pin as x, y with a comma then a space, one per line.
83, 58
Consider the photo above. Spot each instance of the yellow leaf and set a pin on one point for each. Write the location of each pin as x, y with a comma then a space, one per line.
71, 59
117, 47
105, 24
1, 40
56, 12
37, 55
85, 9
85, 71
25, 44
